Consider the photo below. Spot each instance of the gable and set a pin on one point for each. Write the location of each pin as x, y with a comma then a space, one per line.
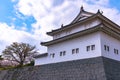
82, 15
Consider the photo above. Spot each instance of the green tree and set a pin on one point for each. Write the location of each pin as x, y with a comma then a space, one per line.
22, 53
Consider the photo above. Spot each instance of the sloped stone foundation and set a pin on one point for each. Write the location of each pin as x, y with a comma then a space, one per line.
98, 68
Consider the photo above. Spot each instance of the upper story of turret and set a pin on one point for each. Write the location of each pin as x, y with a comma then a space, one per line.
83, 20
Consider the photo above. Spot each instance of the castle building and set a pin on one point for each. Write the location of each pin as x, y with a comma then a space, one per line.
89, 35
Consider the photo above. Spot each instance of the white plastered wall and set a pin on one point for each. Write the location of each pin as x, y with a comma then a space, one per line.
80, 42
113, 44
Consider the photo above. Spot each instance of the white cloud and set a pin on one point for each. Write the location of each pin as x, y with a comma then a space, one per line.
8, 35
50, 17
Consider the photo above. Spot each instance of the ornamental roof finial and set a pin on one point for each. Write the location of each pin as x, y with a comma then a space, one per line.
82, 8
99, 11
62, 25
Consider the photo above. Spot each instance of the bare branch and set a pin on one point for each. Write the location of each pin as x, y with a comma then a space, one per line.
20, 52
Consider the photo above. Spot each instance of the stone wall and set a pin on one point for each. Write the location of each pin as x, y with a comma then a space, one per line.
86, 69
112, 69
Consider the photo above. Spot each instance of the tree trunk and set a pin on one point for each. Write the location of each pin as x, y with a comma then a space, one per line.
21, 64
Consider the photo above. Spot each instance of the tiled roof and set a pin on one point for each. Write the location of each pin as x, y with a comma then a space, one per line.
115, 32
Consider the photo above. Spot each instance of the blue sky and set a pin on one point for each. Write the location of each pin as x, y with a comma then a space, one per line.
8, 15
115, 4
29, 20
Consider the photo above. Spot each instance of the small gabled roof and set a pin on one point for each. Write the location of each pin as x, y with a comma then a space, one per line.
82, 15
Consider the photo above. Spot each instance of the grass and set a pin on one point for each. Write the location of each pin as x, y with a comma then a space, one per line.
14, 67
5, 68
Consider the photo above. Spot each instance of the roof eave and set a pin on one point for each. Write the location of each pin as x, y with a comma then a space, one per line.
49, 33
100, 27
106, 20
90, 30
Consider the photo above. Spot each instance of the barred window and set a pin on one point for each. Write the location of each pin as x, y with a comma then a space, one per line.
92, 47
52, 55
73, 51
88, 48
62, 53
116, 51
77, 50
106, 48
